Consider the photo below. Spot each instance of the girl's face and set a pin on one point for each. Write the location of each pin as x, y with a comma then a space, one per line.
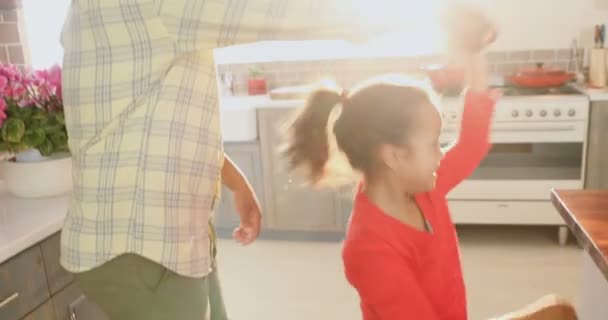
415, 163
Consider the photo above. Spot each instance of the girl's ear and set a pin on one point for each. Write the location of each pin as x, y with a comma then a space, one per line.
392, 156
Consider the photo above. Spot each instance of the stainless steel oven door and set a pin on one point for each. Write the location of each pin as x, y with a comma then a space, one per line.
526, 161
512, 184
524, 171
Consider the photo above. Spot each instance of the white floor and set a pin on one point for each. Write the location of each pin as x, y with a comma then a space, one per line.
505, 268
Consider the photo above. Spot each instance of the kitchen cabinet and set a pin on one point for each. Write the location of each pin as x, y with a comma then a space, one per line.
58, 278
582, 211
23, 284
290, 204
44, 312
71, 304
596, 175
247, 157
34, 286
594, 291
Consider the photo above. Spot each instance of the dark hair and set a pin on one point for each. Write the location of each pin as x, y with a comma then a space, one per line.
379, 111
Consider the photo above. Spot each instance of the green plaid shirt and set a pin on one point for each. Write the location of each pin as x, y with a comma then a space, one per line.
142, 115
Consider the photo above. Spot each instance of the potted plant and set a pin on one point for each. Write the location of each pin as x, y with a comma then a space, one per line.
256, 84
33, 133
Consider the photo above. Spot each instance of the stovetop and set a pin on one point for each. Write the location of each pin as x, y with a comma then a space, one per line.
512, 91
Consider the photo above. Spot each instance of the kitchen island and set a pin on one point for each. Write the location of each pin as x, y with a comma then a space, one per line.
586, 214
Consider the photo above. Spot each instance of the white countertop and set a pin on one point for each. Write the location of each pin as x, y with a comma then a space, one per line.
270, 103
595, 94
25, 222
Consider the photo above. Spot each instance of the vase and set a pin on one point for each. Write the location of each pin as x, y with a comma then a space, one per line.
31, 175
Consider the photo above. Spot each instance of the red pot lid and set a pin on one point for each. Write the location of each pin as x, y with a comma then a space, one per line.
541, 71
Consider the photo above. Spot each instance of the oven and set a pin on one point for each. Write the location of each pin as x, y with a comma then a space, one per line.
539, 143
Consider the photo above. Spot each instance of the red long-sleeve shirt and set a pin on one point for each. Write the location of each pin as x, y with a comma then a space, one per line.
401, 273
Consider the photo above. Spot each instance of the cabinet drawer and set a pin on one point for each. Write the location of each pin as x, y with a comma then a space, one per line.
70, 303
507, 212
44, 312
23, 286
58, 277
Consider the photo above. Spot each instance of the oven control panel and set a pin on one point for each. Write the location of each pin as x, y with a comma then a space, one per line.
525, 109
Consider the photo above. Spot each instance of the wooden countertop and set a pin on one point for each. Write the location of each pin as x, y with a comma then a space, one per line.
586, 214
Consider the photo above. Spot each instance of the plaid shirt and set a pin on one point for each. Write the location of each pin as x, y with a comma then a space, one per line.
141, 105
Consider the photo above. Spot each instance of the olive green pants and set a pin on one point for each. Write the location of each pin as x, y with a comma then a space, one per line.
131, 287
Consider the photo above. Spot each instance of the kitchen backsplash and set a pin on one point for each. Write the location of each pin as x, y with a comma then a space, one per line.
11, 35
350, 71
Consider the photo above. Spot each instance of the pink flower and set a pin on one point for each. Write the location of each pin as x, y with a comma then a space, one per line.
3, 115
46, 91
52, 76
55, 75
15, 91
26, 103
11, 72
27, 87
29, 80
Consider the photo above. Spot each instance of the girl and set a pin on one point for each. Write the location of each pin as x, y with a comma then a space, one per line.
401, 250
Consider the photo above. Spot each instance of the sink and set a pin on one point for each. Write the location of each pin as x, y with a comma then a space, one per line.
238, 117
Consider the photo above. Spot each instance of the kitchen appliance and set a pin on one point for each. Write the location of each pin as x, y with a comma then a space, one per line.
539, 143
541, 77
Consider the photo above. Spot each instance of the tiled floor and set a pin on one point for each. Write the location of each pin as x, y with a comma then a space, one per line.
505, 268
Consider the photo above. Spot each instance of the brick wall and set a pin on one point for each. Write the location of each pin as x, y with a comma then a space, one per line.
12, 33
12, 36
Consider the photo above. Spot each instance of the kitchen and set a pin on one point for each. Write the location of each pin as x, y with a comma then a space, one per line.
511, 189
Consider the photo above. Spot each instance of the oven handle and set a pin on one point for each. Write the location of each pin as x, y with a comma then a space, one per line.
8, 300
551, 129
533, 129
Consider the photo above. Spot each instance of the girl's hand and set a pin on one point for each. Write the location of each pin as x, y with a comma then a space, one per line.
250, 212
469, 33
469, 30
246, 203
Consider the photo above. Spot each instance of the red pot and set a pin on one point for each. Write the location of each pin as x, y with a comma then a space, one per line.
541, 77
256, 87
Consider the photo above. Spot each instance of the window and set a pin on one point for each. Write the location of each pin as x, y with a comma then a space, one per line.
43, 23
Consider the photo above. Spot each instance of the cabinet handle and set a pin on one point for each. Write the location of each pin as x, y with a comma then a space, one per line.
72, 307
8, 300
